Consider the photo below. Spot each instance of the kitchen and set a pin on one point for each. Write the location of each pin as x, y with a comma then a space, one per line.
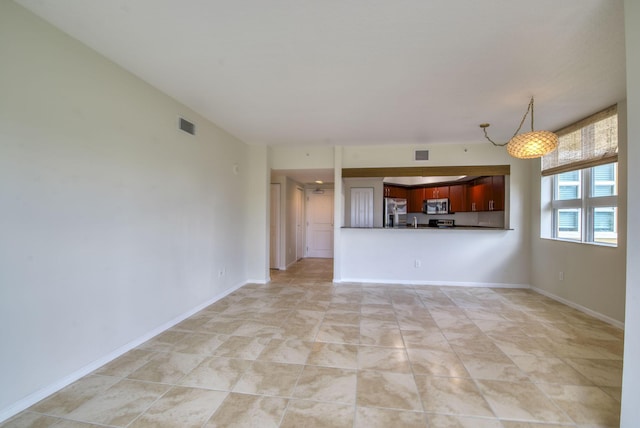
467, 197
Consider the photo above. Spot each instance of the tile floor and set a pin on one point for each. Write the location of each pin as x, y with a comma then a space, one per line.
302, 352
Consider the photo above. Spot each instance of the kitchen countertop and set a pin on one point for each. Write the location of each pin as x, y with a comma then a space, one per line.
426, 227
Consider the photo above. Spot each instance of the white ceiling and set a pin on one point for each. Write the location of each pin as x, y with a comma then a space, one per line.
363, 71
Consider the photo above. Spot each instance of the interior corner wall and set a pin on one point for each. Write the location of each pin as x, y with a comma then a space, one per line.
113, 223
256, 221
291, 193
593, 276
630, 415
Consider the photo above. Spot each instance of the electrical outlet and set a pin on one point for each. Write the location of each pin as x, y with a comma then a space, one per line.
417, 263
561, 276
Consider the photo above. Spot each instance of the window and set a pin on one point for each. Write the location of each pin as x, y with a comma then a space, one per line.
580, 183
584, 205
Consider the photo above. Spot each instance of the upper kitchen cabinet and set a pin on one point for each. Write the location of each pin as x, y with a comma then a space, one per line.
458, 198
486, 194
395, 191
437, 192
415, 199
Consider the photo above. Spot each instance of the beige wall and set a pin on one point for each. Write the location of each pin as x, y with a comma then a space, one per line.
593, 275
631, 375
114, 223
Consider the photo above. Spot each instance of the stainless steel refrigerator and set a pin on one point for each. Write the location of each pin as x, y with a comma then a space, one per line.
395, 212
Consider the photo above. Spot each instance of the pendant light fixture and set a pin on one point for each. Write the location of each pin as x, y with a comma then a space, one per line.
529, 145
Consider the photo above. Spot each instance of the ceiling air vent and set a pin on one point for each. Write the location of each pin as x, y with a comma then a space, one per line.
187, 126
421, 155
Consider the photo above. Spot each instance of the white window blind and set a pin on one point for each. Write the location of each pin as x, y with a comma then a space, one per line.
590, 142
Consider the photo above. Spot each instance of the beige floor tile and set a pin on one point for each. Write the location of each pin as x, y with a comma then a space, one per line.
164, 342
181, 407
480, 344
501, 327
246, 348
484, 314
414, 343
436, 363
518, 345
381, 336
222, 325
305, 332
74, 395
75, 424
216, 373
120, 404
200, 343
195, 322
269, 378
453, 396
303, 413
518, 424
388, 390
291, 351
248, 411
569, 348
416, 322
167, 368
339, 334
127, 363
31, 420
431, 339
520, 401
495, 366
371, 417
613, 391
585, 404
327, 384
600, 372
450, 421
341, 317
549, 370
255, 328
372, 315
319, 306
383, 359
334, 355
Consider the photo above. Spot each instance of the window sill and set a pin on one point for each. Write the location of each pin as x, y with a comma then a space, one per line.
570, 241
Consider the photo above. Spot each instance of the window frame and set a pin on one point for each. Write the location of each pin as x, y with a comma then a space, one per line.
586, 204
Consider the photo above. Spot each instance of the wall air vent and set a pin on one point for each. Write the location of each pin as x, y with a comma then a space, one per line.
421, 155
187, 126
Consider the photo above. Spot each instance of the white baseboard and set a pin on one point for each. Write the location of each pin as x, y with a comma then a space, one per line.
33, 398
436, 283
581, 308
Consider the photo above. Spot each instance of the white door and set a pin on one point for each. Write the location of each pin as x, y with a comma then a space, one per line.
320, 223
299, 223
362, 207
274, 235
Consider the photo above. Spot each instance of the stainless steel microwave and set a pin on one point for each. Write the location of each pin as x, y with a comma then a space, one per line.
436, 206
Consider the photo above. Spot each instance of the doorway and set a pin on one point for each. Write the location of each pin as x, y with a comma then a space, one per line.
299, 209
319, 227
274, 229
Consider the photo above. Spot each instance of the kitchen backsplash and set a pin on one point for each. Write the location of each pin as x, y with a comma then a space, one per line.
479, 218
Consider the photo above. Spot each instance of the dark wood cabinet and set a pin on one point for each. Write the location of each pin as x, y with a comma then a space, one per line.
482, 194
497, 193
395, 192
437, 192
414, 201
487, 194
458, 198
